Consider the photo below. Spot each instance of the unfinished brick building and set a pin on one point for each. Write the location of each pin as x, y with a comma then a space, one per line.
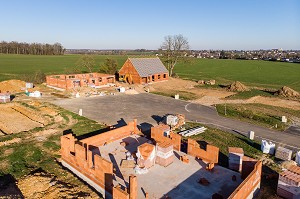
122, 164
143, 70
79, 80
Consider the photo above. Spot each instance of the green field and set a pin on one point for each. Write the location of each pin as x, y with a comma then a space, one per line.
251, 72
265, 74
13, 65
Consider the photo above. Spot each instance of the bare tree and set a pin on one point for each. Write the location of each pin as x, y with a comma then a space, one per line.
86, 62
173, 48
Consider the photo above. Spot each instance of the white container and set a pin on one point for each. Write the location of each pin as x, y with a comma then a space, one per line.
251, 135
267, 147
29, 85
176, 96
122, 89
77, 95
283, 119
80, 112
298, 158
35, 94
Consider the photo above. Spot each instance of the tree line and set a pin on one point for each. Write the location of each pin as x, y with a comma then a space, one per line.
31, 48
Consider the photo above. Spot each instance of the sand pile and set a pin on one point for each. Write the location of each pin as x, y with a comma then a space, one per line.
287, 92
237, 86
12, 86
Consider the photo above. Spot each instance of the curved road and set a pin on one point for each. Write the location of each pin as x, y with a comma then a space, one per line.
148, 108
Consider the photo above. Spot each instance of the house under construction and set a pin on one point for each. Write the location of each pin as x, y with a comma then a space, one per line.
123, 164
72, 81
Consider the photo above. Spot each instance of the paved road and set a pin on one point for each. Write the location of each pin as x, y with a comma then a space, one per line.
148, 108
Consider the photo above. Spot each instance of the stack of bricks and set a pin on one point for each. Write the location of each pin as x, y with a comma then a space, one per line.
164, 153
289, 183
283, 153
235, 158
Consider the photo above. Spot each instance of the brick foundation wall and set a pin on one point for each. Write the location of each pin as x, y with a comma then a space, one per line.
96, 168
211, 154
250, 186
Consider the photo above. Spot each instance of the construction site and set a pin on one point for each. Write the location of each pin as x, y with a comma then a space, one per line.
159, 157
122, 163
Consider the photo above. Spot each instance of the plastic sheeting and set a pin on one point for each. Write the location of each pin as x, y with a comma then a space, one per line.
267, 147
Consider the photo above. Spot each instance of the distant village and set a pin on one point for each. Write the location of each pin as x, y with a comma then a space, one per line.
267, 55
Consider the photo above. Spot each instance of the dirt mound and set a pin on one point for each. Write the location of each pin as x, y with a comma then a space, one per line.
41, 185
12, 86
287, 92
237, 86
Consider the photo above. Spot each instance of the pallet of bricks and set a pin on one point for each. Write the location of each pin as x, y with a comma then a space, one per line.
164, 153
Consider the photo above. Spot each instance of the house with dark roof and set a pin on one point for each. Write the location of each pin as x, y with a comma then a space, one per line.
143, 70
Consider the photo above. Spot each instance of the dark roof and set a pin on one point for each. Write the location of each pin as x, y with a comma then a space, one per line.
148, 66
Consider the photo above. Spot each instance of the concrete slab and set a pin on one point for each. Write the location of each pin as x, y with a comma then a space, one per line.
178, 180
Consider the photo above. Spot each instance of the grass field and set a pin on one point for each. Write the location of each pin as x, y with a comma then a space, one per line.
13, 65
251, 72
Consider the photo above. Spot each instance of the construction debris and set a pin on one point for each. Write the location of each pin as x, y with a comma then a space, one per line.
184, 159
287, 92
237, 87
204, 181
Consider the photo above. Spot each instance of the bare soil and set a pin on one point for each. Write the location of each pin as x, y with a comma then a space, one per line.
15, 118
210, 97
41, 185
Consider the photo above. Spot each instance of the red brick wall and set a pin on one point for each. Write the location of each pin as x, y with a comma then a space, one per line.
66, 82
77, 154
211, 154
249, 184
111, 136
158, 135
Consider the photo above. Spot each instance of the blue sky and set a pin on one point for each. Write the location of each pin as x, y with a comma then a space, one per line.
132, 24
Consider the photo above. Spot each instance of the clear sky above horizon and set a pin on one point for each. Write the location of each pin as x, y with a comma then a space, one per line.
133, 24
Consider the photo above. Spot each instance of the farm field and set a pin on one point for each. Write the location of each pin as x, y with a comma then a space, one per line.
13, 65
264, 74
251, 72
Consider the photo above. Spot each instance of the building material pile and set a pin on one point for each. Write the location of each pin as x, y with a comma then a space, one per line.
193, 131
237, 87
289, 183
287, 92
283, 153
146, 155
235, 158
267, 147
164, 153
4, 97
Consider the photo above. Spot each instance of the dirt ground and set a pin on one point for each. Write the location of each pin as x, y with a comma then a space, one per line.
42, 185
209, 96
15, 118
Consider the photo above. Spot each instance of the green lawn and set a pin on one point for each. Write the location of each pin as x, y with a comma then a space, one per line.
251, 72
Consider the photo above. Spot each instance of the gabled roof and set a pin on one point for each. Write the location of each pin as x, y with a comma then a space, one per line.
148, 66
